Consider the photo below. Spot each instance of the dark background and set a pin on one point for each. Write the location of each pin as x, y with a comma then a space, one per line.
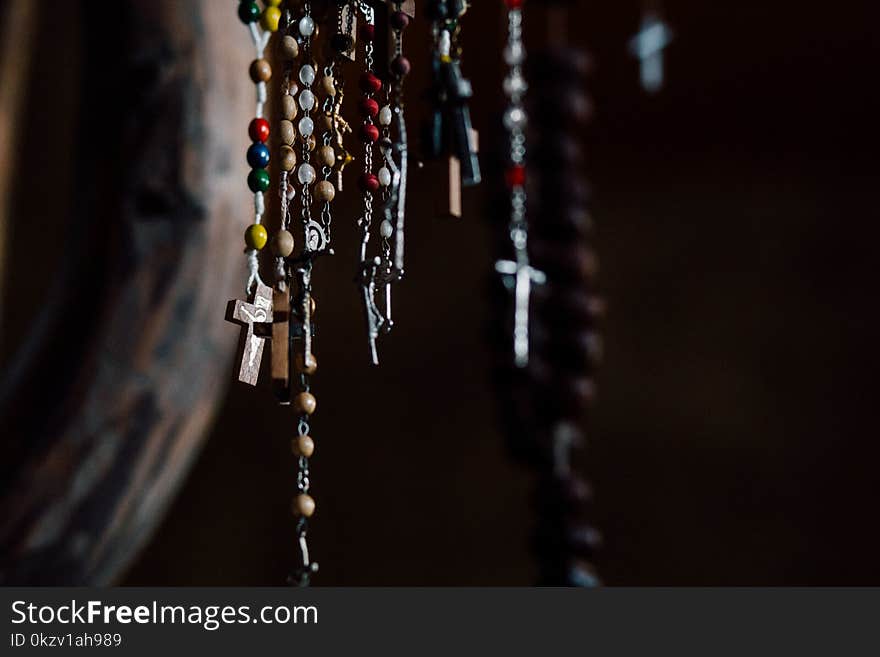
734, 441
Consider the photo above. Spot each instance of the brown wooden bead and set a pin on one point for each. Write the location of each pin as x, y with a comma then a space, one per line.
289, 47
288, 107
282, 244
287, 132
260, 70
326, 156
325, 122
302, 446
288, 158
303, 505
302, 367
328, 85
304, 403
325, 191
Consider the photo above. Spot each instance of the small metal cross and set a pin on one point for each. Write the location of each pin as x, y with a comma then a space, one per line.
648, 46
519, 276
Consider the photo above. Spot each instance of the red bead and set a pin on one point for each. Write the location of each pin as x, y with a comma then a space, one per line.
514, 4
368, 182
367, 32
400, 66
368, 107
369, 133
370, 84
515, 176
258, 130
399, 20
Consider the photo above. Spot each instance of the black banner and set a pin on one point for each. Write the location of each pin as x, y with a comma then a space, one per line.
442, 621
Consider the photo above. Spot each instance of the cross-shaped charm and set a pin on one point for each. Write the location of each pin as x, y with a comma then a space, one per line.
281, 345
519, 277
249, 314
648, 46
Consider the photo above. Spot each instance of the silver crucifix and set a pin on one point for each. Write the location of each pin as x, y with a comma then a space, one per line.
519, 276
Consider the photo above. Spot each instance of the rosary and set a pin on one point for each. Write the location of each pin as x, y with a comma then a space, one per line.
317, 45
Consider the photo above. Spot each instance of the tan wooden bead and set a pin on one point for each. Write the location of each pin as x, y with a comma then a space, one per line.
304, 403
287, 131
288, 158
325, 122
302, 367
325, 191
289, 47
303, 446
288, 107
326, 156
303, 505
260, 70
282, 244
328, 85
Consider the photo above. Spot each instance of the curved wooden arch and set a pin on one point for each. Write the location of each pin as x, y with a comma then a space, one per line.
105, 408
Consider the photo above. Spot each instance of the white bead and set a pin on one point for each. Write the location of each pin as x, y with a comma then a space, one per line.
386, 229
514, 53
385, 116
384, 177
307, 100
307, 75
306, 173
306, 26
306, 126
515, 117
514, 85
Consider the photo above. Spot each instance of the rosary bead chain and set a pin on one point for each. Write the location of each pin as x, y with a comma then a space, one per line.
257, 155
518, 274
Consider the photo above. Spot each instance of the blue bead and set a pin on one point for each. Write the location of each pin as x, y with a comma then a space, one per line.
258, 156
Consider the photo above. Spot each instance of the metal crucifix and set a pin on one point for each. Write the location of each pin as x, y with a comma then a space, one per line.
519, 277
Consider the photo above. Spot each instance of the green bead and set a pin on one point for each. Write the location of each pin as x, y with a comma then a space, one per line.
255, 236
248, 12
258, 180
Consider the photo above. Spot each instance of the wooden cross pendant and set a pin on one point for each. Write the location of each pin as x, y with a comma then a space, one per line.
447, 197
281, 346
249, 314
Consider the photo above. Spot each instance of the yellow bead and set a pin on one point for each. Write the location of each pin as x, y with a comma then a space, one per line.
273, 3
270, 18
256, 236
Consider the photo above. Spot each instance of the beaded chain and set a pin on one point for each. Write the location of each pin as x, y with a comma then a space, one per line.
517, 274
370, 268
448, 131
393, 174
258, 180
311, 159
315, 243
